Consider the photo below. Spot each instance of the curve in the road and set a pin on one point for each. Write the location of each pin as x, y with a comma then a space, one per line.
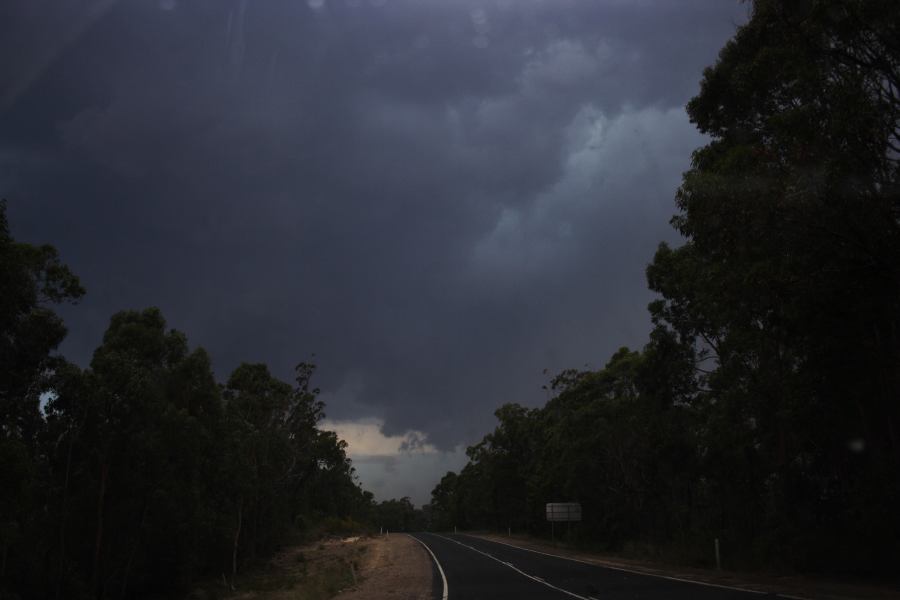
513, 572
437, 563
624, 570
471, 576
513, 567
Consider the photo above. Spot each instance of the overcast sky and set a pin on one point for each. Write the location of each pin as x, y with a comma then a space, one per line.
447, 201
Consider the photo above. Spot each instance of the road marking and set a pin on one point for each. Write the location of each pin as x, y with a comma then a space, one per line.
531, 577
440, 569
584, 562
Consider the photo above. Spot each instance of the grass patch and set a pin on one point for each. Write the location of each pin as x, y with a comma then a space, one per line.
316, 572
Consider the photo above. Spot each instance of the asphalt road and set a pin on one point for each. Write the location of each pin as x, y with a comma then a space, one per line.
476, 569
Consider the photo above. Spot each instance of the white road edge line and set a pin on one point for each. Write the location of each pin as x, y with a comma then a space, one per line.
584, 562
440, 569
521, 572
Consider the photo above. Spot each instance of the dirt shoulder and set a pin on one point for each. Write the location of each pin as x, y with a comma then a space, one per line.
794, 586
395, 567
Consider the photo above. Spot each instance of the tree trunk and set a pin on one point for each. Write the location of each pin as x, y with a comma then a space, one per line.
134, 547
253, 539
98, 538
62, 520
3, 563
237, 537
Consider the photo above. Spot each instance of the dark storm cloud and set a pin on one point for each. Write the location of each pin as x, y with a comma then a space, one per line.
439, 198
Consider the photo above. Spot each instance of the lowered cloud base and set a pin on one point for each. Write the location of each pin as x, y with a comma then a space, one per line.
393, 466
444, 201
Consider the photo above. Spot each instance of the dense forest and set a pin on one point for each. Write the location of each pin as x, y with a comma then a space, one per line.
765, 408
763, 411
141, 474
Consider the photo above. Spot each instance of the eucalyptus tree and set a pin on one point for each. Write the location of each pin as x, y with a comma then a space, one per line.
33, 279
787, 289
763, 409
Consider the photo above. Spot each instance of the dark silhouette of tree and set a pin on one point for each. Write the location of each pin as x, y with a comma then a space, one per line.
763, 411
141, 474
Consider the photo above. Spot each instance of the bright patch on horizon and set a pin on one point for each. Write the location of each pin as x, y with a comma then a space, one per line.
364, 437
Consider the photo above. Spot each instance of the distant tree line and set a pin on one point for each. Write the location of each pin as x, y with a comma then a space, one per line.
140, 474
765, 408
399, 516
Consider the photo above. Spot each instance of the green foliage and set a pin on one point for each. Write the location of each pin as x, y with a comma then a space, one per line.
763, 411
398, 515
602, 441
141, 474
788, 284
32, 279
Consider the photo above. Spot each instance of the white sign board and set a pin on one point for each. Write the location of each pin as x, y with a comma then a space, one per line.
563, 511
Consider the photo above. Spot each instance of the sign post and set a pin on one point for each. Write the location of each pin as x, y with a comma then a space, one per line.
562, 512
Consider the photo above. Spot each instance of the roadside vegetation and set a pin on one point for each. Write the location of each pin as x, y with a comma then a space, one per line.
312, 571
763, 410
140, 474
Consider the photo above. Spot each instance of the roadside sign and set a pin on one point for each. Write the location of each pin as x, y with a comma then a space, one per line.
563, 511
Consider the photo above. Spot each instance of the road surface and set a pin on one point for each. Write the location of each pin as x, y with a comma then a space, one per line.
474, 569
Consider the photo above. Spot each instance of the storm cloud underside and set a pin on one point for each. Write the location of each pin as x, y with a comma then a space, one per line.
445, 201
